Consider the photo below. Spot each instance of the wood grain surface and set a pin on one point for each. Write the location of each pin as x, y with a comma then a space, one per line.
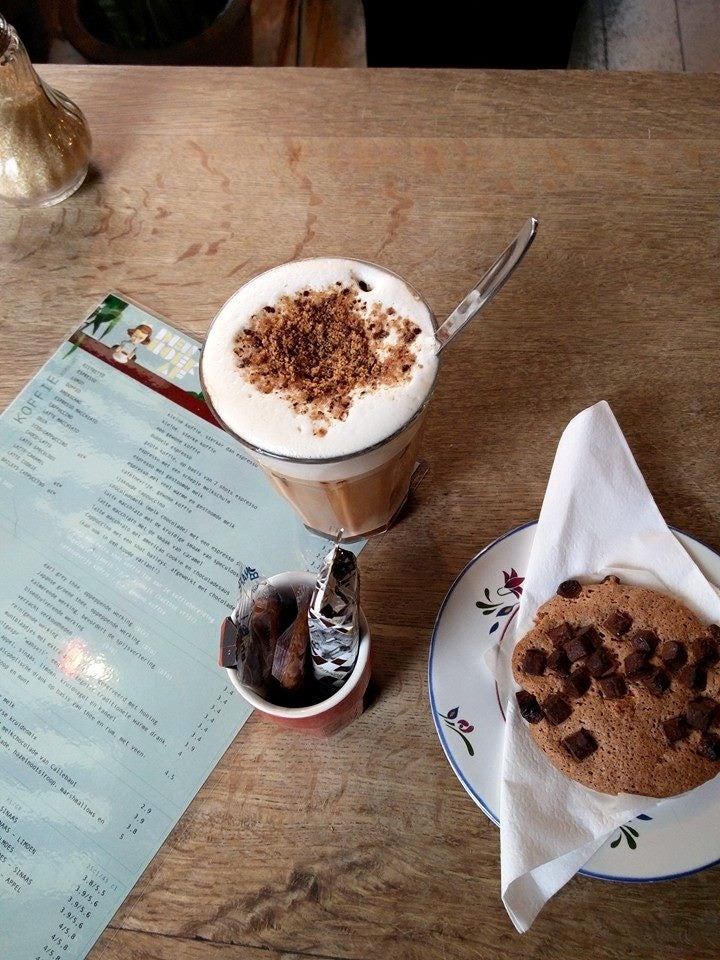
366, 845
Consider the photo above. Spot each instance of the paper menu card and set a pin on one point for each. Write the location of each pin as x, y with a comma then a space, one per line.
124, 511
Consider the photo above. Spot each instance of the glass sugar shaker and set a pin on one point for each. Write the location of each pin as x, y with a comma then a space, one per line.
44, 138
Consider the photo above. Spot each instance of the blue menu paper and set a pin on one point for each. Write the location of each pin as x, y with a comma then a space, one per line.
125, 513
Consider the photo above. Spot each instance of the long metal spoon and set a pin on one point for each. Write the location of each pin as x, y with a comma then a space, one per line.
488, 286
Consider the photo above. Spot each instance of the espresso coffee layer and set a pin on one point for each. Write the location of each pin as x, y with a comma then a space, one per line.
320, 358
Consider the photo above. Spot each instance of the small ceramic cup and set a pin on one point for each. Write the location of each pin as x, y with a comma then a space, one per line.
329, 716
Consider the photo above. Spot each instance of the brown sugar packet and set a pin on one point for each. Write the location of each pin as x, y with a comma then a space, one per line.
291, 664
257, 647
234, 629
228, 655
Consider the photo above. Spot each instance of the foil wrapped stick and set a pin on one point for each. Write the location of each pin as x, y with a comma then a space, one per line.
334, 618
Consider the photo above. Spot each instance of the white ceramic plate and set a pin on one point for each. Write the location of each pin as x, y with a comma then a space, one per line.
683, 835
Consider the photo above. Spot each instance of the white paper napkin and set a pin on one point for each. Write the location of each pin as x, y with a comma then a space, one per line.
598, 517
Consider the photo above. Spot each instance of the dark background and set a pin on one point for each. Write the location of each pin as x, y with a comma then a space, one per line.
520, 34
513, 34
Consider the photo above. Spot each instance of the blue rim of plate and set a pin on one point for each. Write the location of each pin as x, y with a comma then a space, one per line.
491, 815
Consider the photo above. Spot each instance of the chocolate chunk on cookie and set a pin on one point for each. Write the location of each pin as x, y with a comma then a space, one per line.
636, 665
618, 623
645, 641
676, 728
578, 647
657, 681
560, 634
558, 662
577, 683
701, 713
569, 589
534, 661
613, 687
673, 654
600, 663
694, 675
580, 744
556, 709
709, 747
530, 709
705, 650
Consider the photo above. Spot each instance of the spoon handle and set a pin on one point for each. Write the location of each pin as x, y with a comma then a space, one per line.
488, 286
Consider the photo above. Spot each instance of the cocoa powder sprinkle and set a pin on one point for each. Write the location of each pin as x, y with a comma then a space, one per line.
319, 350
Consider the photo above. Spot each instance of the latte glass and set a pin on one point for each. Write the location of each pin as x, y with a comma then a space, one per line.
360, 492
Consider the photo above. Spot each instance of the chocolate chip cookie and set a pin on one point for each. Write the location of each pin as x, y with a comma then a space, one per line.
620, 687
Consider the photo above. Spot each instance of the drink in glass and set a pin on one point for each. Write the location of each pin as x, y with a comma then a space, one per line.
323, 369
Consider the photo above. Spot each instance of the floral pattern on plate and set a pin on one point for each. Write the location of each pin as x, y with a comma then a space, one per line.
461, 727
512, 586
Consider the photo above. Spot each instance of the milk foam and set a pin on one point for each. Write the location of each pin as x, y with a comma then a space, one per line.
267, 420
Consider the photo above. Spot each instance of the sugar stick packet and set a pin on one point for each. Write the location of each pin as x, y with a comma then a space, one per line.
333, 618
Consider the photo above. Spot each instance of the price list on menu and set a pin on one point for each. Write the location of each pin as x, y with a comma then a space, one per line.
126, 517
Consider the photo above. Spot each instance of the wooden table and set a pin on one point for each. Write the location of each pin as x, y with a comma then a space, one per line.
366, 845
